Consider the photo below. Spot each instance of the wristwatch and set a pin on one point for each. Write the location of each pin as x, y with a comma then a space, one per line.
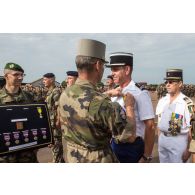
147, 158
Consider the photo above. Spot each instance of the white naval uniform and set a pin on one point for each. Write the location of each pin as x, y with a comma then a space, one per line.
143, 106
171, 148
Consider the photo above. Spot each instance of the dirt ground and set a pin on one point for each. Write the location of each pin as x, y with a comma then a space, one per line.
45, 155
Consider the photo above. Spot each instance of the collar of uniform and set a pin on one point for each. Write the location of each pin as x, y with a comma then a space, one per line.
10, 94
85, 83
51, 88
179, 98
131, 86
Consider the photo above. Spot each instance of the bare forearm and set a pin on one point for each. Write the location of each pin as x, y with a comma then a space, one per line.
131, 118
149, 139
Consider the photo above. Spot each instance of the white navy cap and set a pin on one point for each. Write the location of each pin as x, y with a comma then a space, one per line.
120, 59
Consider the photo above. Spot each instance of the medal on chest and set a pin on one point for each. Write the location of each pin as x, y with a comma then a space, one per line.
175, 124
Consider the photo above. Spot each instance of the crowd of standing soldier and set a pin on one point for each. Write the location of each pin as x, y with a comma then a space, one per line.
187, 89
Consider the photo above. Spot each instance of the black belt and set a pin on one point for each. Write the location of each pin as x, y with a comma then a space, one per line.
168, 134
88, 148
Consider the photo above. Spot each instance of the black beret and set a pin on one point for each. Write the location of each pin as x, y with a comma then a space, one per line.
49, 75
72, 73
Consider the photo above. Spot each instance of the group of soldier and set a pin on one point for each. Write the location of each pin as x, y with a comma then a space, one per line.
111, 123
14, 93
187, 89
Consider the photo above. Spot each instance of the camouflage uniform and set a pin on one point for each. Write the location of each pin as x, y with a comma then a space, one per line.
89, 119
52, 98
29, 156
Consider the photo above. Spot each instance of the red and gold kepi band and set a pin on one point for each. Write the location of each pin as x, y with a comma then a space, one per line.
19, 125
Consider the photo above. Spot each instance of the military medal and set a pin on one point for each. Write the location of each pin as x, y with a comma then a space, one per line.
175, 124
34, 132
40, 112
16, 137
25, 134
124, 97
43, 130
19, 125
7, 138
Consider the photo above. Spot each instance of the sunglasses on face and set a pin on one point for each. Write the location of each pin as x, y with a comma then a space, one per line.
170, 82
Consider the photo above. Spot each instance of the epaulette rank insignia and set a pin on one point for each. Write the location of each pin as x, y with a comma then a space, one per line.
141, 87
189, 104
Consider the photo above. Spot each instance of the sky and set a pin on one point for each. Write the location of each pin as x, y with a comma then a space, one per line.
40, 53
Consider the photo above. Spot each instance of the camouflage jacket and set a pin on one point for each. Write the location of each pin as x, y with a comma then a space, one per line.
89, 118
21, 97
51, 99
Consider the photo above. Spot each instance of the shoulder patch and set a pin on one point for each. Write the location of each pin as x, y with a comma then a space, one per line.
190, 104
141, 87
188, 101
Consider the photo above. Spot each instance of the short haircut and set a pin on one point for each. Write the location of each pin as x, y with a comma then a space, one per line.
85, 63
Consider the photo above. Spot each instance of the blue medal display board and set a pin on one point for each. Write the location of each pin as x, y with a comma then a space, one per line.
24, 127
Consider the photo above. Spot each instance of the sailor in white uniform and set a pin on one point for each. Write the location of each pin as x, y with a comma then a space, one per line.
174, 112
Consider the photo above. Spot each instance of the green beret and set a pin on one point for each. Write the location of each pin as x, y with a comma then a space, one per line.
13, 66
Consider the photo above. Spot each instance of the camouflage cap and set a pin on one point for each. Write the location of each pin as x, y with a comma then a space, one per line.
91, 48
13, 66
174, 74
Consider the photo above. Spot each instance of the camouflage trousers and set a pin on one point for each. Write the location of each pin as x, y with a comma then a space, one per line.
57, 148
20, 157
79, 154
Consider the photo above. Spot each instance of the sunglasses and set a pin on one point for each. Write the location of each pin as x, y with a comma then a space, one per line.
170, 82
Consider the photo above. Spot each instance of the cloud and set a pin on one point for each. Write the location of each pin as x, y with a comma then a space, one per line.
55, 52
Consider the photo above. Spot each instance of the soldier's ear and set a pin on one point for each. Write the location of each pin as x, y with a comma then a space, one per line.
128, 70
98, 65
180, 84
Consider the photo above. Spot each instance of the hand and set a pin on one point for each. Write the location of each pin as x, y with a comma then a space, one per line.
114, 92
145, 159
129, 100
186, 155
132, 138
142, 160
50, 145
